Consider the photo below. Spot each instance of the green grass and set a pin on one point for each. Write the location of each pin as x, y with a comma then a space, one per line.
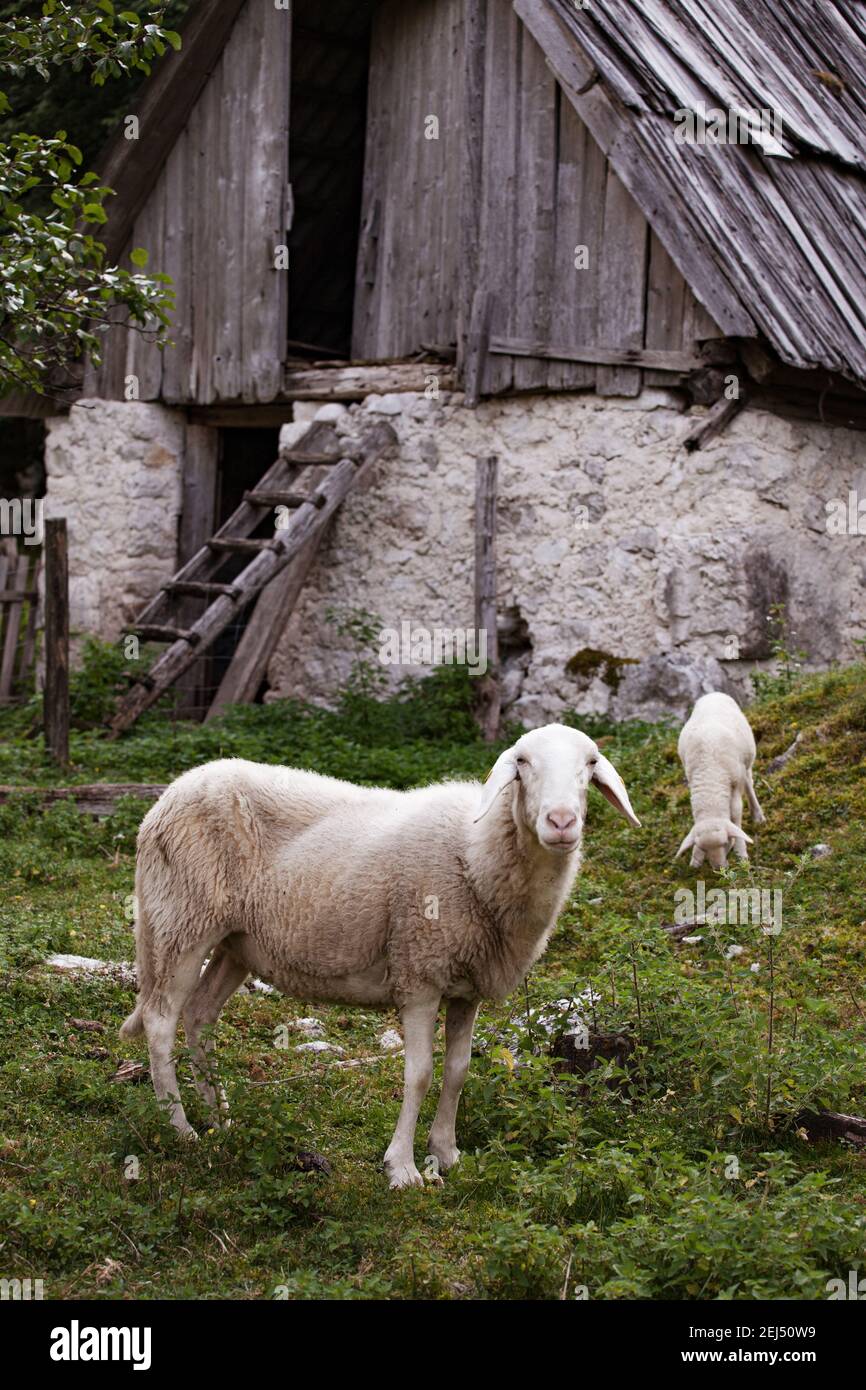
688, 1180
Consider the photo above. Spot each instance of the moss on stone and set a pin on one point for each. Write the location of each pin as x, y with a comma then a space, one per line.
589, 662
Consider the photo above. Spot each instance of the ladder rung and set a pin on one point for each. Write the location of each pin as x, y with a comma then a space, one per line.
154, 632
293, 456
284, 499
200, 588
240, 547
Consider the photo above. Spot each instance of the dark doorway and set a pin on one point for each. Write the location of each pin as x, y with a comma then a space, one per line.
330, 62
244, 456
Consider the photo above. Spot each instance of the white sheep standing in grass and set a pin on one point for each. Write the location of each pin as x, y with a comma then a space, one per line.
717, 750
349, 894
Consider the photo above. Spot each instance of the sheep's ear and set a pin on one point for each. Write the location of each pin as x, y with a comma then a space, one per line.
503, 771
611, 786
686, 844
737, 832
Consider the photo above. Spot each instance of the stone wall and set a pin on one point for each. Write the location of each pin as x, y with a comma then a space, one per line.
114, 471
633, 575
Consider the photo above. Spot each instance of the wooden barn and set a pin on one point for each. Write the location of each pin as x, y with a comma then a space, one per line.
617, 245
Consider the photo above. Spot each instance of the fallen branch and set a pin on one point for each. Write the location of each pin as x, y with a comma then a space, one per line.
96, 799
830, 1124
776, 764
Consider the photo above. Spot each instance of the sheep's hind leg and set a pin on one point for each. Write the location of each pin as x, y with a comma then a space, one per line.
459, 1022
201, 1011
754, 804
419, 1022
160, 1015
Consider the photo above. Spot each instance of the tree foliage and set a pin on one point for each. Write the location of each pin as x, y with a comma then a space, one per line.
58, 293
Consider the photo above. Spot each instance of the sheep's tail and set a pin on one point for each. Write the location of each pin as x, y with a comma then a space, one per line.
133, 1025
144, 969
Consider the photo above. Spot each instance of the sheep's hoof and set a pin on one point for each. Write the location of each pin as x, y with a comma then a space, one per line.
188, 1135
444, 1157
403, 1175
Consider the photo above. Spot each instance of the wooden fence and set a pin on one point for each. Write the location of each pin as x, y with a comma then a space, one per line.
19, 572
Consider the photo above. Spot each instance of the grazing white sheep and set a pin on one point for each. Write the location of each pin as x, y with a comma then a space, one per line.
717, 750
358, 895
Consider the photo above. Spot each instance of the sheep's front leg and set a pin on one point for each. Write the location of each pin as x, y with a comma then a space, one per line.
419, 1022
459, 1022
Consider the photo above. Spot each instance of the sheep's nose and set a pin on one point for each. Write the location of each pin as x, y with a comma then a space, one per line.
561, 819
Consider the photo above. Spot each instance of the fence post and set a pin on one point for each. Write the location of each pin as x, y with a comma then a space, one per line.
489, 696
56, 693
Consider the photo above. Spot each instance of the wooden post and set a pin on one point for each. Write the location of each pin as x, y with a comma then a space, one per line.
489, 693
56, 693
197, 523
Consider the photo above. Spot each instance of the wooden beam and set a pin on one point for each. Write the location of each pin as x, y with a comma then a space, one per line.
715, 420
131, 167
478, 346
658, 359
56, 692
488, 694
354, 383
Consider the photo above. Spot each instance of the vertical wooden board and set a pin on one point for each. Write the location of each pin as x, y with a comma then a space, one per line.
536, 223
500, 203
202, 129
143, 358
621, 285
229, 138
368, 270
665, 299
264, 305
470, 164
388, 32
697, 323
176, 365
568, 283
448, 288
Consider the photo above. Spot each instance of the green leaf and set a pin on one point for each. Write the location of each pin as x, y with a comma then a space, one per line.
139, 256
93, 212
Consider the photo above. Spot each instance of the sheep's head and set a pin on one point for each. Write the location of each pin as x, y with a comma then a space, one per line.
548, 771
712, 839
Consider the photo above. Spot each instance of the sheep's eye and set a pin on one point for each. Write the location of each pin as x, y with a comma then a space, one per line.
593, 762
521, 761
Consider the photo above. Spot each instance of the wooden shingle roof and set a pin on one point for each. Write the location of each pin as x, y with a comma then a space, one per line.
769, 236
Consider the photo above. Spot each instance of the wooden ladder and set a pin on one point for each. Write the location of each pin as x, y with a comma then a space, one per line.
293, 547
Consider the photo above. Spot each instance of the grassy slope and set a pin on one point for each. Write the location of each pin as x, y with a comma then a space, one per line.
679, 1187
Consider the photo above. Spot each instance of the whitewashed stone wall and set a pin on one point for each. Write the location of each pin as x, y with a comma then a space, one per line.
648, 568
114, 471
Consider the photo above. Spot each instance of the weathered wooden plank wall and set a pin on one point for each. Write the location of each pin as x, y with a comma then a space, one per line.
408, 257
543, 190
212, 221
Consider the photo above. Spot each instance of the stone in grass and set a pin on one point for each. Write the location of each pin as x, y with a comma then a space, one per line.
581, 1052
319, 1045
310, 1027
309, 1161
391, 1041
89, 965
820, 851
